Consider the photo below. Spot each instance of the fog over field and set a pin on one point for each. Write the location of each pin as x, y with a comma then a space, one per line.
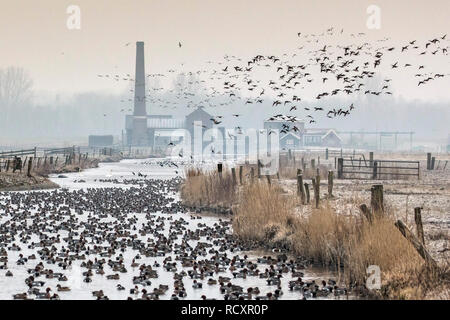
60, 84
60, 118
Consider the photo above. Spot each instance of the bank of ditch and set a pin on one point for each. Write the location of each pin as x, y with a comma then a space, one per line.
38, 179
266, 213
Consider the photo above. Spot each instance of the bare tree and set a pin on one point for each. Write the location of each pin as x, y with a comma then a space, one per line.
15, 91
15, 86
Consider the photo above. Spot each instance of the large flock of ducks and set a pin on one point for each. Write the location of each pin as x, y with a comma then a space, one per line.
134, 236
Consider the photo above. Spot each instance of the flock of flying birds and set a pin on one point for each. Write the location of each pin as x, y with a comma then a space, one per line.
334, 70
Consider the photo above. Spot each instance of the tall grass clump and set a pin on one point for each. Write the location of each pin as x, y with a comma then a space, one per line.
380, 244
207, 188
347, 243
323, 236
263, 212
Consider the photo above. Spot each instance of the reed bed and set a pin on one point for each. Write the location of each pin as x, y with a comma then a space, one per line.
207, 188
346, 243
261, 210
45, 169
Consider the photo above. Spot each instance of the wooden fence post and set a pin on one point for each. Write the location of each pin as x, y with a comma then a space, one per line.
417, 244
259, 169
367, 213
375, 170
371, 159
313, 163
330, 183
419, 225
326, 154
317, 193
300, 191
340, 168
307, 193
428, 161
268, 179
252, 174
376, 200
240, 174
233, 175
433, 160
314, 183
7, 165
30, 164
219, 169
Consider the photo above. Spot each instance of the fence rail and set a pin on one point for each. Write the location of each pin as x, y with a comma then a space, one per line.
10, 154
48, 158
377, 169
69, 150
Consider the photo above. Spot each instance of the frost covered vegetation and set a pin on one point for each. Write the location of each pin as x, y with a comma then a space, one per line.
348, 243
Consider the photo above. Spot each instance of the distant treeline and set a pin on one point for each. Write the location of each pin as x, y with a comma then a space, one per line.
95, 113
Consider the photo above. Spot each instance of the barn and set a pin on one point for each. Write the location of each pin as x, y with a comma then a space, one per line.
290, 141
298, 136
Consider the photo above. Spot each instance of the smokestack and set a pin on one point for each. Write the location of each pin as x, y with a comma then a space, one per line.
139, 136
139, 84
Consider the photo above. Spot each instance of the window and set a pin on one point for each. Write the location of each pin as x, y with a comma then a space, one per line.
312, 140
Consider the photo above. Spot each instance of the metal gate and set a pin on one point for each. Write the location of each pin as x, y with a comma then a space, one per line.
376, 169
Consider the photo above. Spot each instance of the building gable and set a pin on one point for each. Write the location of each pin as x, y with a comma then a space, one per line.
330, 135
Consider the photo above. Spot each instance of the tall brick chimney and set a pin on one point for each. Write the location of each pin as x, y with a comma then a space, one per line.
139, 135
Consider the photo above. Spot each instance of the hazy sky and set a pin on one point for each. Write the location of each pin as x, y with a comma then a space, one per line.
34, 35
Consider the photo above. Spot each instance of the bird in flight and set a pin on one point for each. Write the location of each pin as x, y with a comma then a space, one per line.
215, 121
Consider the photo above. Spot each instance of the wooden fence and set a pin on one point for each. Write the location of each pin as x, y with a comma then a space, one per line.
376, 169
17, 153
8, 164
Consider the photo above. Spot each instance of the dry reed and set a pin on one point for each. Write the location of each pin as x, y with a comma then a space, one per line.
203, 188
349, 243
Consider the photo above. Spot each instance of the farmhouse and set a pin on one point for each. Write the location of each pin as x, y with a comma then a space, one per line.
294, 135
